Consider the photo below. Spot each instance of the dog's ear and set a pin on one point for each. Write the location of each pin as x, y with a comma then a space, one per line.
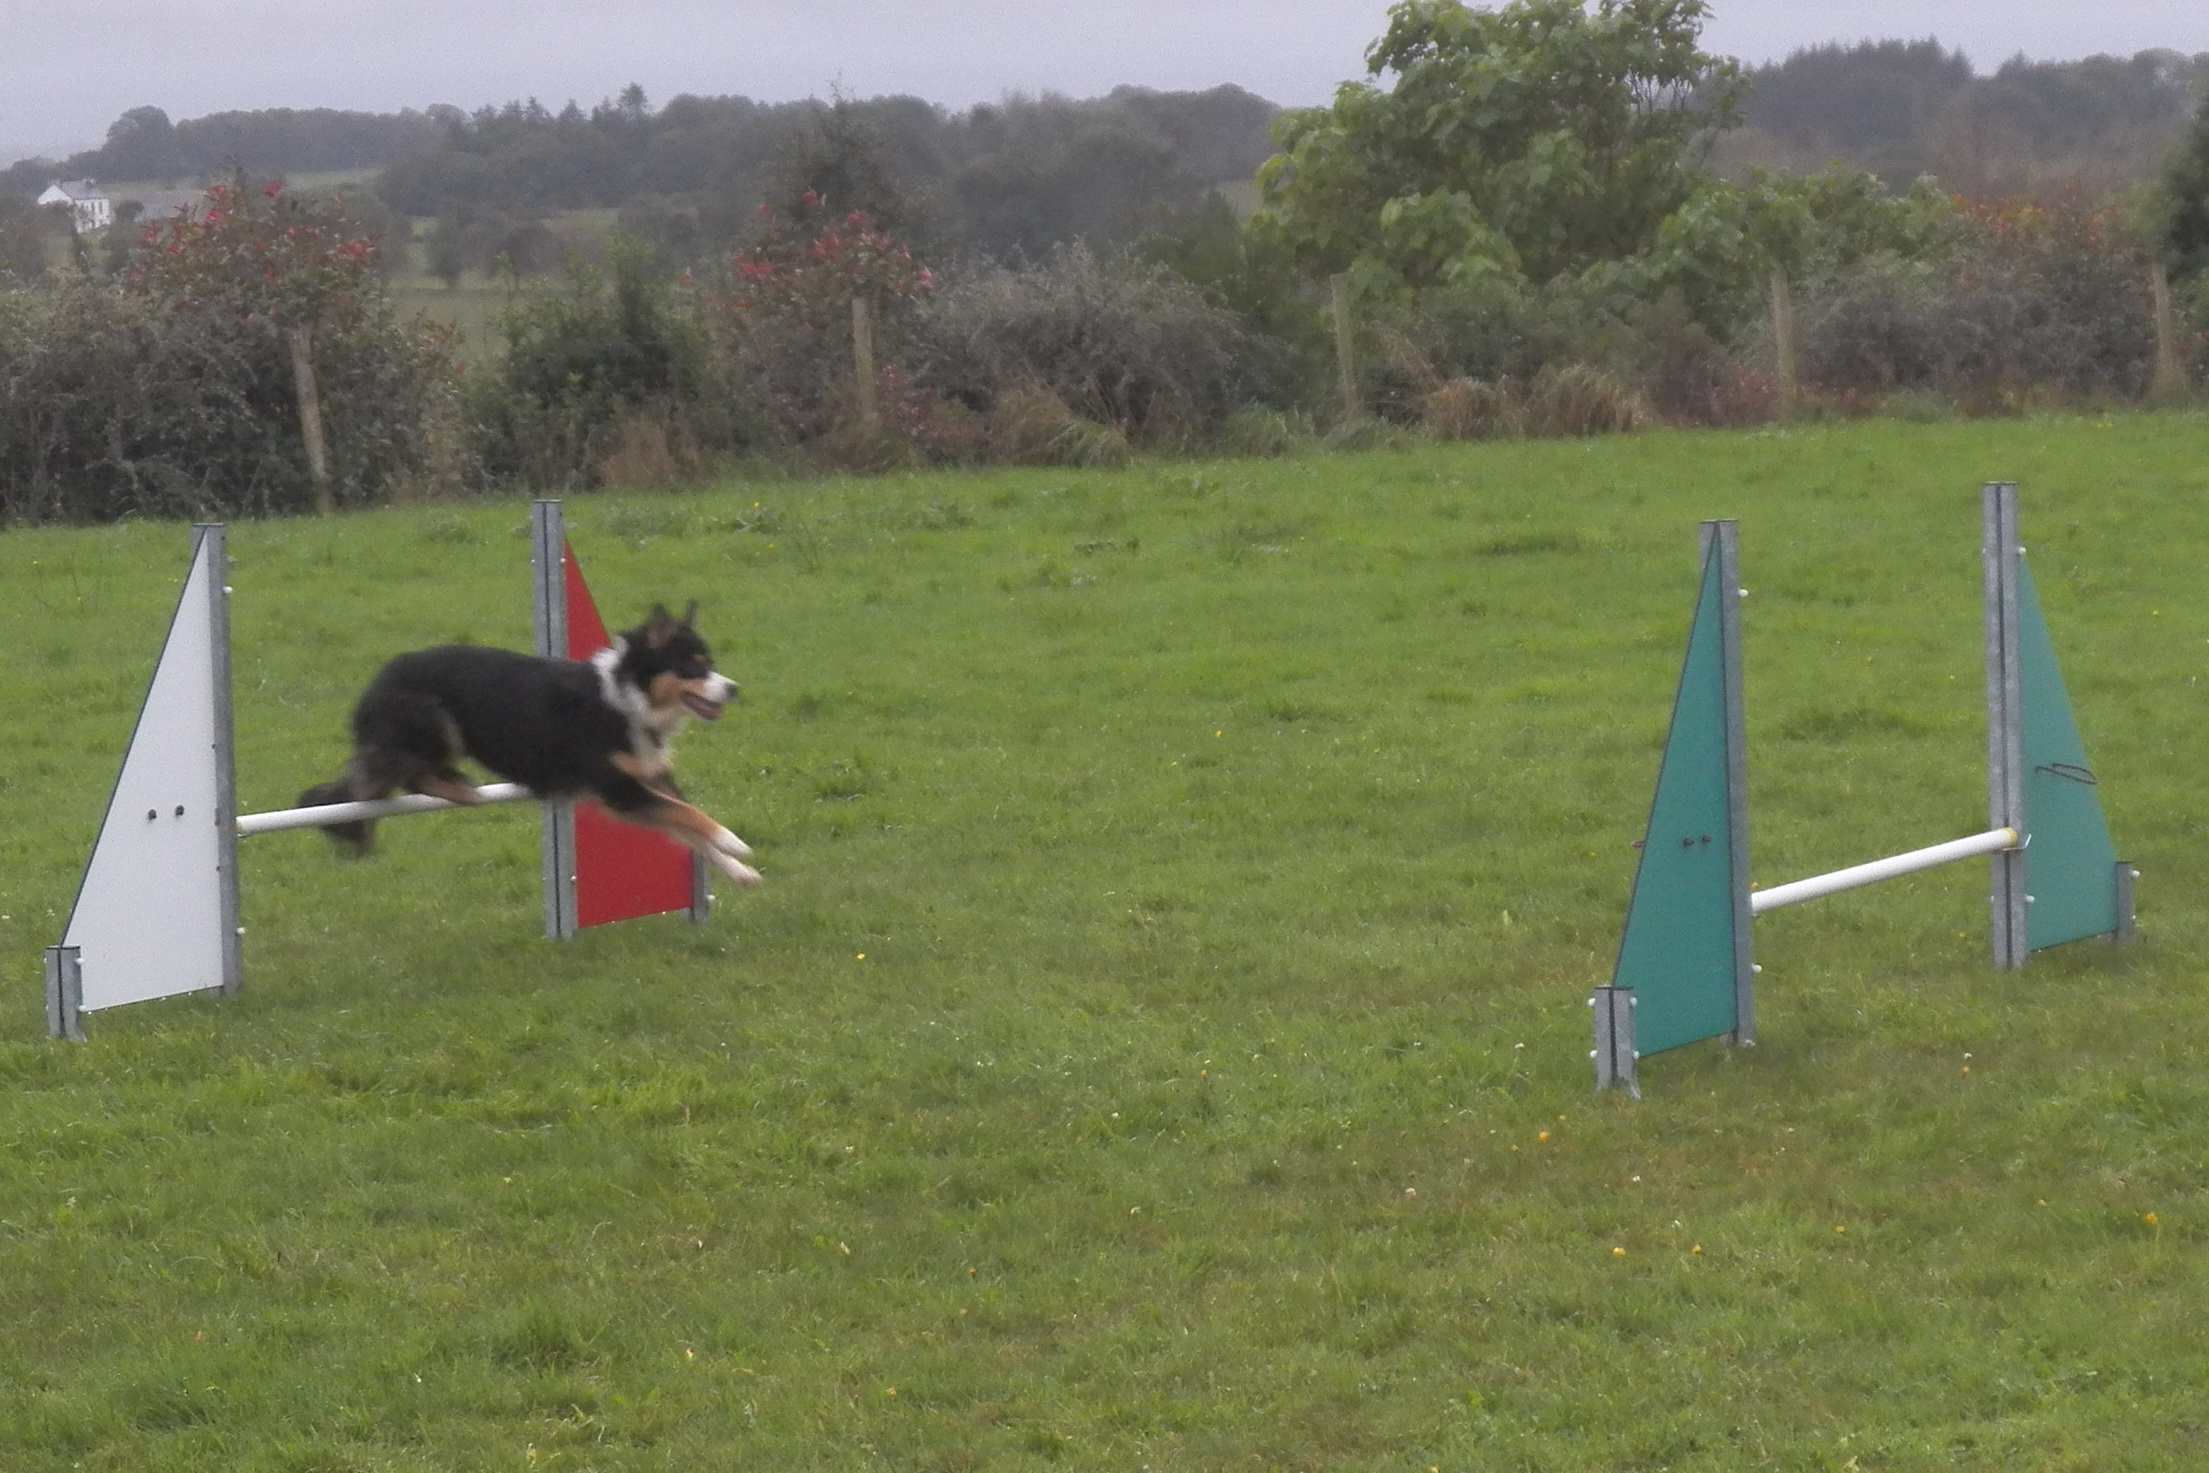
690, 616
659, 627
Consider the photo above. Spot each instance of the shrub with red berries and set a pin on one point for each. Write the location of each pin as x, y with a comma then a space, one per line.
780, 317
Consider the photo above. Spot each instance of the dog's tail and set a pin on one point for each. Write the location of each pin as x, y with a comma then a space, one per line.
355, 838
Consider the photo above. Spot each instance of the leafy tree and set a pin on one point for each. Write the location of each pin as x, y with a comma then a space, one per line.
587, 355
2184, 195
141, 144
1876, 103
841, 157
1721, 247
1533, 140
448, 250
492, 242
1207, 246
1103, 184
602, 340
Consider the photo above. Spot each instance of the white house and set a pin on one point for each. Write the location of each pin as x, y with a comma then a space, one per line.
89, 209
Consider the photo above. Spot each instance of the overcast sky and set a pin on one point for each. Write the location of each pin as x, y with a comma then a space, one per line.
68, 68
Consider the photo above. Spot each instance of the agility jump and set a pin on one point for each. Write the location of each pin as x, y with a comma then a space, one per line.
1686, 969
157, 914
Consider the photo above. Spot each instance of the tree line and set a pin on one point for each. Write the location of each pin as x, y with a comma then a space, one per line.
1513, 224
144, 146
1903, 109
1898, 108
1019, 176
1000, 180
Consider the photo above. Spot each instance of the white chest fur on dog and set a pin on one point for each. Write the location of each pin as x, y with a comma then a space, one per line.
650, 730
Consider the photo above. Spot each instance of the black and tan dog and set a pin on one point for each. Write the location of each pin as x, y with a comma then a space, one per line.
561, 728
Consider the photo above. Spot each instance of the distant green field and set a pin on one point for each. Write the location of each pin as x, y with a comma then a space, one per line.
472, 306
1160, 1039
308, 180
474, 302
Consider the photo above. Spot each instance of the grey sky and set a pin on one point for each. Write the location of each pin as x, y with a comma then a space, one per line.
68, 68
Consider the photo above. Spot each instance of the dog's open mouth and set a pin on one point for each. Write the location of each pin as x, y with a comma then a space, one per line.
702, 708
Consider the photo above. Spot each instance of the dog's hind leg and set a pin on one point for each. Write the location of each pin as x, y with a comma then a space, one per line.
355, 838
448, 784
403, 741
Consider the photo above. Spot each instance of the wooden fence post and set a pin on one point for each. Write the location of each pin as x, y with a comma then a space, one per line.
1345, 345
1783, 343
862, 358
2169, 383
310, 419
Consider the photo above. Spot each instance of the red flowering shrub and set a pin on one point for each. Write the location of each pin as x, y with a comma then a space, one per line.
262, 258
168, 390
780, 319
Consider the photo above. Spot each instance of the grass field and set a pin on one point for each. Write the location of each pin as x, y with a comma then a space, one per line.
1160, 1041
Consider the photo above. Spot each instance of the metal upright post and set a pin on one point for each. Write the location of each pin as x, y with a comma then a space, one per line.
549, 605
215, 539
701, 893
1727, 536
2002, 550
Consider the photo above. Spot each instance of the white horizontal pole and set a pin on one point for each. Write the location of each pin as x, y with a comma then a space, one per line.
1991, 842
314, 818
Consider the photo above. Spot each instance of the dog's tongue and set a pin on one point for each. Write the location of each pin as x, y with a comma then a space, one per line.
702, 708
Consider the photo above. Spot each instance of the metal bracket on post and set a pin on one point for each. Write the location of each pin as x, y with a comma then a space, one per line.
2001, 550
1614, 1051
548, 547
65, 993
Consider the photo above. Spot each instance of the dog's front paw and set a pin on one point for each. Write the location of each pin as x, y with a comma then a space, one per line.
729, 843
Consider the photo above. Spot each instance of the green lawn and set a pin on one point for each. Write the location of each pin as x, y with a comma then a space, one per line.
1160, 1040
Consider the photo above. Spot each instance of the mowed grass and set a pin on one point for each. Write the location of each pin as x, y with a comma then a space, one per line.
1160, 1040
